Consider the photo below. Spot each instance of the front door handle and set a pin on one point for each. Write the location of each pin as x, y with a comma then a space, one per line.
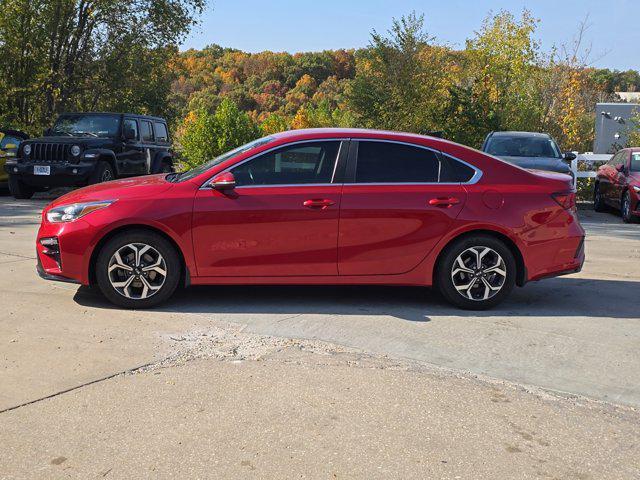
444, 202
318, 204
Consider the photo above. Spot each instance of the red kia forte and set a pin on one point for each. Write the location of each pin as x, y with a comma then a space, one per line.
326, 206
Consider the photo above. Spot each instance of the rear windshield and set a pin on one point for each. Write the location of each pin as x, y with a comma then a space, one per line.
518, 146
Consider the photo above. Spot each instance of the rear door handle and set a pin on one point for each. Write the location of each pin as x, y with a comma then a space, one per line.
318, 204
444, 202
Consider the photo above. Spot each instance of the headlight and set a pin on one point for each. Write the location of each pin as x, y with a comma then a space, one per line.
69, 213
636, 189
27, 149
75, 150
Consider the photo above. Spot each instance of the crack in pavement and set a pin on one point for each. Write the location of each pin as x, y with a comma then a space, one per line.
71, 389
17, 255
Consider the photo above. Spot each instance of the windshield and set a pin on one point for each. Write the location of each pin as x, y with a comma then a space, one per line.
503, 146
194, 172
87, 125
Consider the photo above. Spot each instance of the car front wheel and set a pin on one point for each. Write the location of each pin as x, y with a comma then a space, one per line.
627, 216
598, 201
476, 272
138, 269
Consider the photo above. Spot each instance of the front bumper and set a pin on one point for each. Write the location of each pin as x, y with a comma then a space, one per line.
75, 244
49, 276
62, 174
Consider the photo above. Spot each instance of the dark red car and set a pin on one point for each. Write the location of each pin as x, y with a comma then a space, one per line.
618, 185
326, 206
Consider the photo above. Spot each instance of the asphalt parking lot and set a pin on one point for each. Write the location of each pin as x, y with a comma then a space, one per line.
574, 339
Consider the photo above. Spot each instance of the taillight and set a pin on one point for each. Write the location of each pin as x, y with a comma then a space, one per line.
566, 200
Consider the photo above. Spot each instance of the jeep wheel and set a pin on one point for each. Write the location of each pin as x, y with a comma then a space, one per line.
102, 173
166, 167
19, 189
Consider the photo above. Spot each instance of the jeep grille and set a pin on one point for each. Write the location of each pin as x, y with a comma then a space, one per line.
50, 152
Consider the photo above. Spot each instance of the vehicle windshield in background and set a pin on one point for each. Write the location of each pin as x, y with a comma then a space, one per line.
522, 147
87, 125
194, 172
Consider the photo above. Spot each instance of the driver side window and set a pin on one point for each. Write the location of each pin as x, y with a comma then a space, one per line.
303, 163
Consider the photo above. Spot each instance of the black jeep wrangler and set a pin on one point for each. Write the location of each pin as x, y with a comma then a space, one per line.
87, 148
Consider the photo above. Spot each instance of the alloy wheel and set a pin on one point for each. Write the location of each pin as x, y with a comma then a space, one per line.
626, 206
478, 273
106, 175
137, 271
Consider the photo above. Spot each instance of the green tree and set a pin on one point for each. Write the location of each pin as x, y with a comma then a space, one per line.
203, 136
400, 80
62, 55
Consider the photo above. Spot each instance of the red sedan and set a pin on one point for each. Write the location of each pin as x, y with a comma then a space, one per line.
618, 185
326, 206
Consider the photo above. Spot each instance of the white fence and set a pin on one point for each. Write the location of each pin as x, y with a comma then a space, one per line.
592, 161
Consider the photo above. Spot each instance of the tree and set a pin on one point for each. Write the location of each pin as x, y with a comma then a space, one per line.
204, 136
400, 79
496, 88
62, 55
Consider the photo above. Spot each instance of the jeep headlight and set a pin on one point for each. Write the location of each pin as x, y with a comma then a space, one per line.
74, 211
75, 150
27, 150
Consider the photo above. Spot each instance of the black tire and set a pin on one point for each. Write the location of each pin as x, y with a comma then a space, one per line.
166, 167
102, 173
19, 189
172, 264
625, 207
598, 201
445, 270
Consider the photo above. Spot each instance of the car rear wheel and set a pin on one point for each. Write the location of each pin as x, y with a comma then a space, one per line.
627, 216
138, 269
19, 189
598, 201
476, 272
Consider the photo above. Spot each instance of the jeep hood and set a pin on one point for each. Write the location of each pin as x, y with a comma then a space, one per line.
124, 189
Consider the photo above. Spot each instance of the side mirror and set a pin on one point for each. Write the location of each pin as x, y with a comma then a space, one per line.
570, 156
223, 181
129, 134
621, 168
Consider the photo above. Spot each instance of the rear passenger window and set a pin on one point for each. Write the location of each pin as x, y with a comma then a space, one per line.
161, 132
146, 132
453, 171
385, 162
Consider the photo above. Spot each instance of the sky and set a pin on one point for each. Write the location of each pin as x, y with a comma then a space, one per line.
301, 25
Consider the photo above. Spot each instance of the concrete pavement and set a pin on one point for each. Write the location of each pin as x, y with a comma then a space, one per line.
575, 335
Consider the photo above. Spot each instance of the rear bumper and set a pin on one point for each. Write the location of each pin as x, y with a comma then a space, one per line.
62, 174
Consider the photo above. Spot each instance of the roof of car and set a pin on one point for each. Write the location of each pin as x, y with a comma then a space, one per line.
350, 132
137, 115
519, 134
